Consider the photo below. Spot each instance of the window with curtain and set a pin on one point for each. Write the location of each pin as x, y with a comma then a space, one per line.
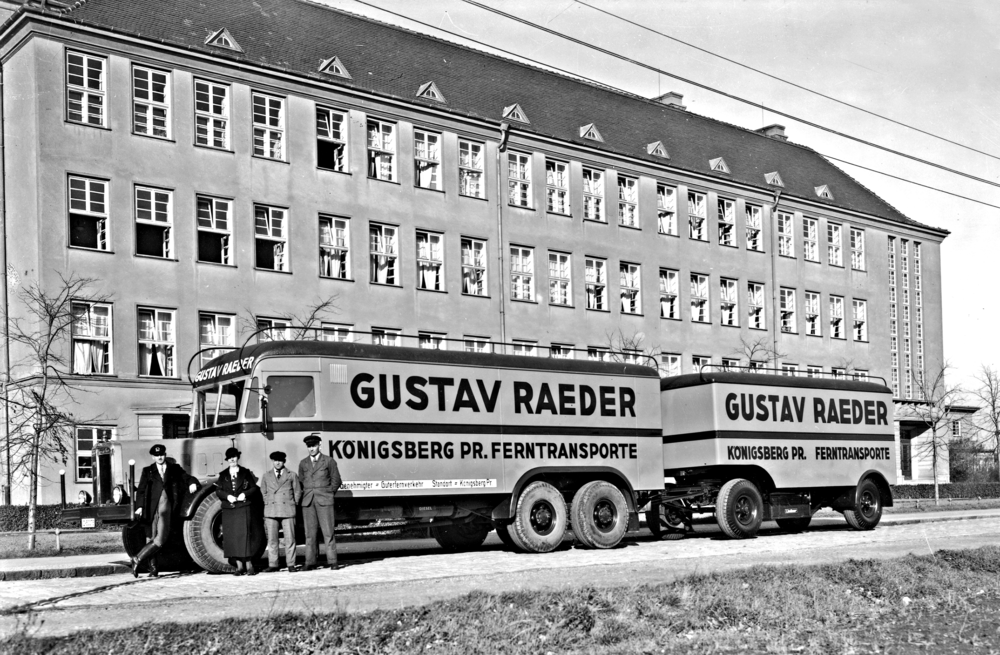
91, 336
156, 342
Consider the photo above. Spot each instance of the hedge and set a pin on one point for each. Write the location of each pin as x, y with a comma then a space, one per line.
14, 518
949, 490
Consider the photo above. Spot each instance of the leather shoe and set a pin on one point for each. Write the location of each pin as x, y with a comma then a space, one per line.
336, 567
271, 569
154, 573
308, 567
293, 569
135, 567
239, 572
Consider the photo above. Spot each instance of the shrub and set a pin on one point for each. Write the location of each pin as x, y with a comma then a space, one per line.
949, 490
14, 518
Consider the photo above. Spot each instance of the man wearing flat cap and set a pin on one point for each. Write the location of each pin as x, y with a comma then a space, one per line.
158, 500
320, 480
282, 493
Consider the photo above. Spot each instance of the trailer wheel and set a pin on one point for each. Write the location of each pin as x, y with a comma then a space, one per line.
203, 536
666, 521
867, 511
503, 531
738, 509
794, 525
539, 519
600, 515
461, 536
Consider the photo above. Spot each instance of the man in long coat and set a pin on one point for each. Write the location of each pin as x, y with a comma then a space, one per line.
320, 480
158, 498
282, 493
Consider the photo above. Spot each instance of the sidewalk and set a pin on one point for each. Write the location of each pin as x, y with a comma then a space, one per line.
81, 566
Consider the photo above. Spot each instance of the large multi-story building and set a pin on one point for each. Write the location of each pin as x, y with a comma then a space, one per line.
216, 167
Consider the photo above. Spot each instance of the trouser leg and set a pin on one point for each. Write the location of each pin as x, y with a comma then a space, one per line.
272, 526
161, 522
326, 521
311, 524
288, 526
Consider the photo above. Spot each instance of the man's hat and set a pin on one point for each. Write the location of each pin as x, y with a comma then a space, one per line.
232, 452
278, 456
158, 449
313, 439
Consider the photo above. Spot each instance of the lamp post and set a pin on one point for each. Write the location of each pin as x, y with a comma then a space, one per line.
131, 488
62, 486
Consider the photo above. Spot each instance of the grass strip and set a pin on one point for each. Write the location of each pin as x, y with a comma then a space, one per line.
946, 602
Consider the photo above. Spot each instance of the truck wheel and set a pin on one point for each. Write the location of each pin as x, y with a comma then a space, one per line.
738, 509
203, 536
868, 510
665, 521
539, 519
503, 531
461, 536
600, 515
794, 525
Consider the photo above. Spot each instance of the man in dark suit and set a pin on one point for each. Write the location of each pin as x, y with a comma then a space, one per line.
282, 493
158, 498
320, 479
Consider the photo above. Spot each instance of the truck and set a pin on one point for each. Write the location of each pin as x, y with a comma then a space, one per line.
465, 443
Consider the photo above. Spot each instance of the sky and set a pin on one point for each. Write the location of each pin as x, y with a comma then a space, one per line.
933, 65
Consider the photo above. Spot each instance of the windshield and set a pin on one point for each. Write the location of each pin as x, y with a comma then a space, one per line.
217, 405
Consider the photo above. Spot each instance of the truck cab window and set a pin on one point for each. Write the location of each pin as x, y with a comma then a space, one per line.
218, 405
254, 394
291, 396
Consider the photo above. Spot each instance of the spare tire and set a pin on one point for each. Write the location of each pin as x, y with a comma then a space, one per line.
203, 536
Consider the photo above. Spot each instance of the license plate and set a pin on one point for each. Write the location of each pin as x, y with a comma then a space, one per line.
88, 523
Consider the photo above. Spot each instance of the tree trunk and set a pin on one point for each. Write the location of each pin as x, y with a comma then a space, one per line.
934, 460
33, 493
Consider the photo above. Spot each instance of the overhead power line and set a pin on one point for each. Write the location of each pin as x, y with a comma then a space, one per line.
789, 82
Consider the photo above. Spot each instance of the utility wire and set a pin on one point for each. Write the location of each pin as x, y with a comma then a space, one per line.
572, 74
722, 93
789, 82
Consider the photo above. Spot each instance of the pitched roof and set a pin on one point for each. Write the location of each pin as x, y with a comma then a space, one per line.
296, 36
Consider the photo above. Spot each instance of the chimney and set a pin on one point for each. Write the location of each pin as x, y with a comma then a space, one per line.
774, 131
672, 98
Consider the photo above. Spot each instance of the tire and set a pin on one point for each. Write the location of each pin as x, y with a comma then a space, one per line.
794, 525
461, 536
867, 510
203, 536
738, 510
666, 521
503, 531
599, 515
540, 518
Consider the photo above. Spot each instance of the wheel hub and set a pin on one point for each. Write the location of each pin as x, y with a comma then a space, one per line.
744, 510
605, 516
868, 504
541, 517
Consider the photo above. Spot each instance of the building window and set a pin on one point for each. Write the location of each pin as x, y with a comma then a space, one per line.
150, 102
786, 246
860, 320
336, 332
666, 209
522, 273
729, 364
814, 371
834, 239
154, 218
727, 222
473, 267
331, 139
810, 243
790, 370
593, 194
858, 250
85, 101
631, 292
268, 126
271, 238
598, 354
384, 253
470, 169
669, 292
755, 305
215, 330
561, 351
381, 150
837, 317
476, 344
861, 376
560, 288
91, 334
670, 365
427, 159
956, 429
273, 329
430, 261
696, 216
557, 186
628, 201
431, 341
836, 372
597, 283
156, 342
728, 302
519, 179
699, 298
214, 230
754, 222
525, 348
385, 337
334, 247
86, 439
786, 303
88, 213
699, 361
813, 325
211, 114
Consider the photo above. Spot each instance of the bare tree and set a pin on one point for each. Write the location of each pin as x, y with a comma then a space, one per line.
987, 419
302, 326
631, 348
758, 352
39, 390
933, 411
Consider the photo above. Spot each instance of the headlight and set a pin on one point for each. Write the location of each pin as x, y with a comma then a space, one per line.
118, 495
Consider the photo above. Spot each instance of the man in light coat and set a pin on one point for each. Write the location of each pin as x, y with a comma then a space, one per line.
320, 480
282, 493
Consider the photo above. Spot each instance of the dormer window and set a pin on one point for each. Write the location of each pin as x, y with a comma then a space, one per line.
333, 66
824, 192
589, 131
223, 39
718, 165
430, 91
773, 178
657, 149
515, 113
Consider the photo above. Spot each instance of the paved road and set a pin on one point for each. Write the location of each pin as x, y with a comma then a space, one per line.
417, 572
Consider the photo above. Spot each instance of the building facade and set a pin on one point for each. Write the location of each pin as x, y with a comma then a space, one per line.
226, 168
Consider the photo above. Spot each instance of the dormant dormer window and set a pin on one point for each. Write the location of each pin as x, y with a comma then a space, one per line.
773, 179
657, 149
223, 39
515, 113
718, 165
823, 192
589, 131
333, 66
429, 91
